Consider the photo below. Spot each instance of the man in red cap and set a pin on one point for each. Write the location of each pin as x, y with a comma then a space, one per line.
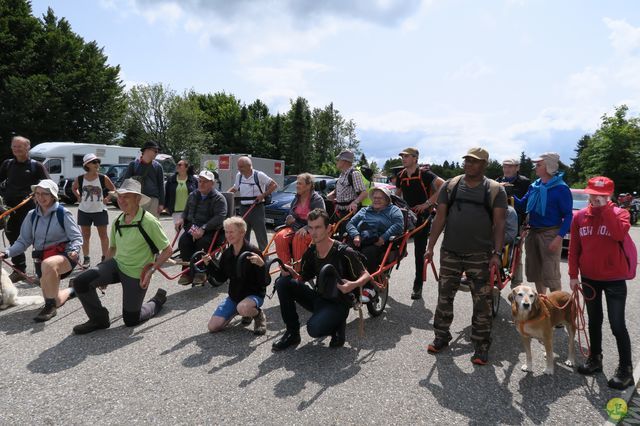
596, 253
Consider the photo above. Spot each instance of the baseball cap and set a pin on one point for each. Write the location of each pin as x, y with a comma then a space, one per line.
206, 174
599, 185
410, 151
511, 162
477, 153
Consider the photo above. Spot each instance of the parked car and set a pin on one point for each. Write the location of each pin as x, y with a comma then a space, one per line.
580, 201
289, 178
276, 212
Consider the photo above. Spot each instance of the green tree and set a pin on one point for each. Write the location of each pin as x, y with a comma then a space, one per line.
614, 150
147, 110
297, 140
257, 130
185, 136
526, 166
53, 84
222, 121
390, 164
576, 165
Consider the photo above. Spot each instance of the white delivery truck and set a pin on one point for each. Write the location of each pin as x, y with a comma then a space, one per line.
226, 165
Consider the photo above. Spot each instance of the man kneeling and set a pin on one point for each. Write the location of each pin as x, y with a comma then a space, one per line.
246, 293
329, 315
135, 238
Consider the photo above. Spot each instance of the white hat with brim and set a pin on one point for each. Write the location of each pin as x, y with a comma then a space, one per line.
47, 184
131, 186
382, 189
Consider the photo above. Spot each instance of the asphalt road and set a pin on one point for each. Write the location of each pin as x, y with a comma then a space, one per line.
170, 370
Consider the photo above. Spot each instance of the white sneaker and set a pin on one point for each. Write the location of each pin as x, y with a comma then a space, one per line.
367, 295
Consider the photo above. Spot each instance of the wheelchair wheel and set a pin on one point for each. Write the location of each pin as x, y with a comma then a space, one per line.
214, 282
495, 296
377, 305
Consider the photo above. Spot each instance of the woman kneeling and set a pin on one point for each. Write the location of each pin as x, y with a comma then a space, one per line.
246, 292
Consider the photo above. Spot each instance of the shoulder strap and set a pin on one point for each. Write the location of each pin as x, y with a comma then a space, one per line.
80, 182
350, 177
147, 239
59, 216
452, 189
103, 179
424, 188
255, 178
34, 165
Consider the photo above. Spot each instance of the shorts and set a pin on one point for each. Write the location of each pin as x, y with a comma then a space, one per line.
38, 266
227, 309
96, 219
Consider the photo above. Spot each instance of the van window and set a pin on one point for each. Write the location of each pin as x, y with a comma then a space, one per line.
125, 160
77, 160
54, 166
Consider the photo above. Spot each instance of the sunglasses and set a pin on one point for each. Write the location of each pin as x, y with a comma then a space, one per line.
94, 162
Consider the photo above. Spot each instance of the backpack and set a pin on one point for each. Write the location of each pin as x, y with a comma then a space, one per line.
409, 216
403, 178
59, 215
631, 253
138, 224
101, 178
267, 199
492, 188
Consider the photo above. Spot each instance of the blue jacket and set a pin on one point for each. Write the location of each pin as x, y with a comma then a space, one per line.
558, 209
35, 232
387, 223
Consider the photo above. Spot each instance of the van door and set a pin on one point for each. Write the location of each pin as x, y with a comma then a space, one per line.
54, 167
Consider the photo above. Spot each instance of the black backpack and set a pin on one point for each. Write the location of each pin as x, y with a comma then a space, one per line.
138, 224
409, 216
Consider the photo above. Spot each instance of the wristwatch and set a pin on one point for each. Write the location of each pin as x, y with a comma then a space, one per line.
496, 253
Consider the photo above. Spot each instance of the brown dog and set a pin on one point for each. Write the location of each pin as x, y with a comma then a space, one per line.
536, 317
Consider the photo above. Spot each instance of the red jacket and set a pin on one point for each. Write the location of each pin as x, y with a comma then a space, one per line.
595, 247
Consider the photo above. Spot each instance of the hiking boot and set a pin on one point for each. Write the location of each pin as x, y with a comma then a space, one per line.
339, 336
481, 357
260, 324
246, 320
185, 280
290, 338
90, 326
465, 284
592, 365
416, 293
16, 277
199, 278
49, 311
86, 262
437, 345
160, 298
622, 379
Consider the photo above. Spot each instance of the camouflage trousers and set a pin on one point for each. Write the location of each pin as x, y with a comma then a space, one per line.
476, 267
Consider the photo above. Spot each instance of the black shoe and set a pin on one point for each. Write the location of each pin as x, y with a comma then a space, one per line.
338, 337
592, 365
160, 298
416, 294
437, 345
90, 326
622, 379
481, 357
246, 320
289, 338
16, 276
48, 312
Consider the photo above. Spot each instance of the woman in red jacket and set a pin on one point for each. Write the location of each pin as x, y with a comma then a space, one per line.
595, 252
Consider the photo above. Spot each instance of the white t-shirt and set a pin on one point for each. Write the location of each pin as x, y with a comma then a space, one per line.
91, 196
247, 185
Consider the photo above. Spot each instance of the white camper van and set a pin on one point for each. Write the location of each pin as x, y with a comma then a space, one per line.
64, 159
226, 165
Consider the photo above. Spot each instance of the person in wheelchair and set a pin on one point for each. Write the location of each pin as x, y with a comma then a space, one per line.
203, 215
56, 239
294, 239
371, 229
329, 315
246, 292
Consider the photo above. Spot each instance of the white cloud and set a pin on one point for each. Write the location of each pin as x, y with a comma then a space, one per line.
625, 38
472, 70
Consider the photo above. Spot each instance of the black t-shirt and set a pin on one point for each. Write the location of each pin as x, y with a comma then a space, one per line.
18, 178
255, 278
344, 259
413, 191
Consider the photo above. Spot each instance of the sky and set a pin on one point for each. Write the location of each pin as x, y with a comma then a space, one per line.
442, 76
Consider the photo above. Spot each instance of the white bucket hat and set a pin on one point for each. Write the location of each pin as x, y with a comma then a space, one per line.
48, 185
89, 158
132, 186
